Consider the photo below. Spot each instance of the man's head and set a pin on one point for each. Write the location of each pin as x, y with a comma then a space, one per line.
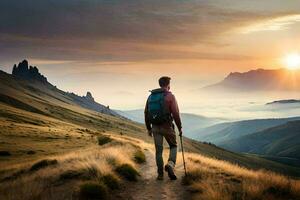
164, 82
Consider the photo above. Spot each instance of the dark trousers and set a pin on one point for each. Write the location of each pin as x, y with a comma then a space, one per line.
167, 132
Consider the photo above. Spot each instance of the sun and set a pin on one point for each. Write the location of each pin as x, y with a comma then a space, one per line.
292, 61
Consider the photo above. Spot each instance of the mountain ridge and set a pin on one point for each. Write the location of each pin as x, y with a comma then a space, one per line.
222, 132
280, 141
259, 79
31, 73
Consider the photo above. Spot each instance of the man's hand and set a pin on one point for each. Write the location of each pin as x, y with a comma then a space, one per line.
150, 133
180, 132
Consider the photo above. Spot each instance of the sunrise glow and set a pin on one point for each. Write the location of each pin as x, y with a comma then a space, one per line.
292, 61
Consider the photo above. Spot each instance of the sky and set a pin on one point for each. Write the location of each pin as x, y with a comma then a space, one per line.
117, 49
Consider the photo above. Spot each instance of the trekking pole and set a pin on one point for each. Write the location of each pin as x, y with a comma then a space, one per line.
183, 156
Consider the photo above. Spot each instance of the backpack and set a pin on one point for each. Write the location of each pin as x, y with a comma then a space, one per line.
157, 111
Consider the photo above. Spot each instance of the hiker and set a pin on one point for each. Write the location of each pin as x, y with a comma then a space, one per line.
160, 110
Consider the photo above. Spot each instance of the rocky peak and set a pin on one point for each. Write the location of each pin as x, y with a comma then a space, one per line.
23, 70
89, 96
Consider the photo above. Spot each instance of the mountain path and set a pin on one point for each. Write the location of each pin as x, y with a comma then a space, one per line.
148, 187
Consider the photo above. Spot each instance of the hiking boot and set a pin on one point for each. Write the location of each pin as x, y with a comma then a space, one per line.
170, 170
160, 177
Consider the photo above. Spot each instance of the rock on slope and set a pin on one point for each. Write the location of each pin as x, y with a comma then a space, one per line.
32, 74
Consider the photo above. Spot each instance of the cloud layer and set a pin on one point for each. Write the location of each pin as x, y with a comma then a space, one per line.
122, 30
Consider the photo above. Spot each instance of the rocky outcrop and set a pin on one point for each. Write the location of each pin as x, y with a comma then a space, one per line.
89, 103
32, 74
89, 97
23, 70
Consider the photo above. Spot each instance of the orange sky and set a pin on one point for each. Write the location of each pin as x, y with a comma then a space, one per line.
115, 48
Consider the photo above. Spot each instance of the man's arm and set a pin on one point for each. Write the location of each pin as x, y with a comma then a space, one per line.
175, 113
147, 122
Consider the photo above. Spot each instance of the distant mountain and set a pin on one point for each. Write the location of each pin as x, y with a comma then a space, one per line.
192, 123
136, 115
225, 132
260, 79
285, 101
40, 83
282, 141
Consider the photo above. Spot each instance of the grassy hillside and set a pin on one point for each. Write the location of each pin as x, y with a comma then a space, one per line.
51, 148
281, 141
214, 179
93, 172
38, 118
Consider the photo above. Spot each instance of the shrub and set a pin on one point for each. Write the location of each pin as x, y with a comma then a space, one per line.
42, 164
93, 190
278, 191
70, 174
110, 181
112, 161
128, 172
102, 139
5, 153
139, 157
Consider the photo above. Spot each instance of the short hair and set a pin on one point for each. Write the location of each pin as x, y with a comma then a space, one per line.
164, 81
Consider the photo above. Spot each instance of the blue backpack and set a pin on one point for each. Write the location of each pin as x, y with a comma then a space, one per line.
157, 111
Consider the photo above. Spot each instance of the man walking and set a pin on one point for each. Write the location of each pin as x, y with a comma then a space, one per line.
161, 108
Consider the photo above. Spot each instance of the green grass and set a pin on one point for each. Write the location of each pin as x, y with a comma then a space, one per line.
93, 190
139, 157
128, 172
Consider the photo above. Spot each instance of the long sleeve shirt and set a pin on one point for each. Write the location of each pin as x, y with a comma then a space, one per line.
172, 107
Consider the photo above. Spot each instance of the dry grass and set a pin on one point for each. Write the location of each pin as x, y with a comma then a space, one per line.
92, 164
213, 179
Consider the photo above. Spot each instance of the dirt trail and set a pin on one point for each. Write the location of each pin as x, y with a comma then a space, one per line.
149, 188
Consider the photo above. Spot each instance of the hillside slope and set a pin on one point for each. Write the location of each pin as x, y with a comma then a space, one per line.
282, 141
221, 133
32, 113
23, 71
52, 148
